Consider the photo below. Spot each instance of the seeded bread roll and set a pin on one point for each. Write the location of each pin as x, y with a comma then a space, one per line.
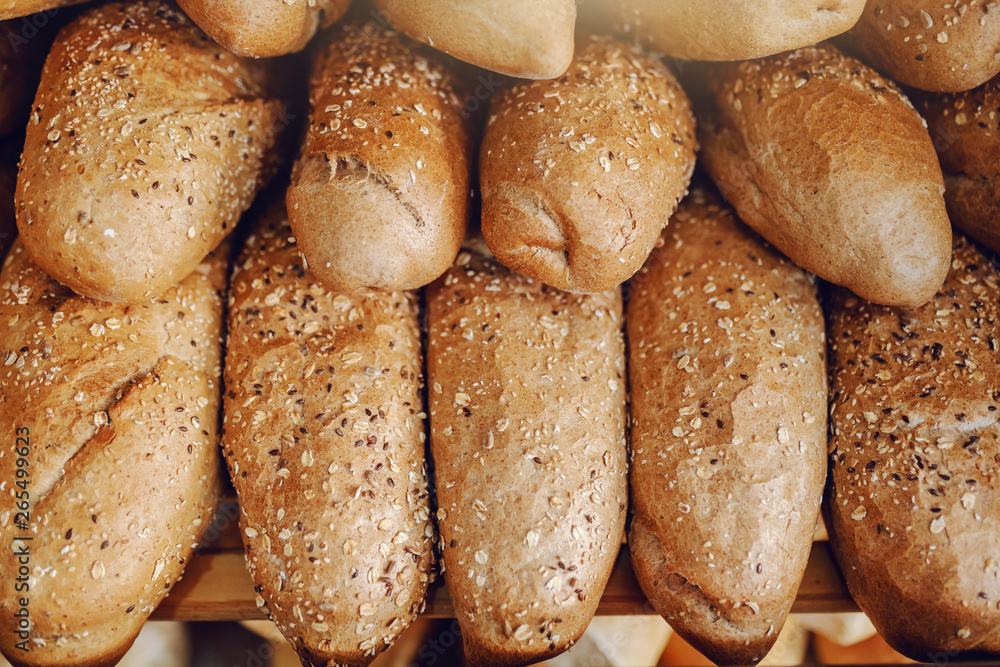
380, 193
579, 175
829, 162
699, 30
965, 132
527, 405
532, 39
728, 382
915, 462
939, 46
146, 144
119, 406
324, 437
12, 9
263, 28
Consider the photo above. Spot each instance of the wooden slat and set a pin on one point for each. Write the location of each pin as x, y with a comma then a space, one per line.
217, 587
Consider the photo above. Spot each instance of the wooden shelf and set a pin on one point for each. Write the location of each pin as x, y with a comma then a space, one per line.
217, 587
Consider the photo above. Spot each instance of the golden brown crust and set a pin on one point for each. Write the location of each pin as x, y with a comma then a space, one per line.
580, 174
324, 438
380, 193
527, 404
700, 30
142, 153
728, 386
915, 458
263, 28
965, 128
122, 404
939, 46
829, 162
532, 39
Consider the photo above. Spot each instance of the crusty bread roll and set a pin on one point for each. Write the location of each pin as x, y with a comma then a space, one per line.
121, 406
828, 161
263, 28
964, 129
939, 46
11, 9
532, 39
914, 508
324, 437
579, 175
728, 437
527, 405
380, 193
146, 143
710, 30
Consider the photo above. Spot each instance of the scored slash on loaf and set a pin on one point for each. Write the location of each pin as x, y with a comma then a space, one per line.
379, 196
122, 405
324, 437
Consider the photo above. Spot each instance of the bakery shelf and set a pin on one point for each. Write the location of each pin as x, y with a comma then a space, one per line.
217, 587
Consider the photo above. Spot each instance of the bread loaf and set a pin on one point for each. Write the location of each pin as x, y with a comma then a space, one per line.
579, 175
532, 39
263, 28
964, 129
914, 456
324, 437
146, 143
11, 9
118, 407
700, 30
527, 405
939, 46
380, 193
728, 438
829, 162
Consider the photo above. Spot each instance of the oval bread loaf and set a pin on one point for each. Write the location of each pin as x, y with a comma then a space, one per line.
965, 132
380, 193
263, 28
324, 437
700, 30
829, 162
120, 406
938, 46
527, 405
8, 181
580, 174
532, 39
728, 438
146, 143
915, 462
